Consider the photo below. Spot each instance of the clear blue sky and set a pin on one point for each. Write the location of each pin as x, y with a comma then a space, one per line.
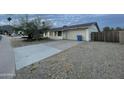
58, 20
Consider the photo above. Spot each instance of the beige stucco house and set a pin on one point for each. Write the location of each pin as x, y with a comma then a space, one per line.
71, 32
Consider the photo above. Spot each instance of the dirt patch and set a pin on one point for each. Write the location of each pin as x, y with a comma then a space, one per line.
19, 42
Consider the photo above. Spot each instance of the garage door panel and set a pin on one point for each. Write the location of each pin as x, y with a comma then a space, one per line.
72, 35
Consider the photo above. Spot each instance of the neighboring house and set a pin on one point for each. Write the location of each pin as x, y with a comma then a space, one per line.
71, 32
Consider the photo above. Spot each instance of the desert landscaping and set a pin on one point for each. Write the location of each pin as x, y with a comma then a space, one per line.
35, 47
96, 60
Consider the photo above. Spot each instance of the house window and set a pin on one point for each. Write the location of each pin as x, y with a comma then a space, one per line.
60, 33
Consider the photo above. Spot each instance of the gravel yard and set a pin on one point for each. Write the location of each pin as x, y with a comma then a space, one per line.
88, 60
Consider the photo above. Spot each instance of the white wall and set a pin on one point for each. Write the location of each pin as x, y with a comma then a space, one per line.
56, 37
87, 35
91, 29
46, 35
72, 34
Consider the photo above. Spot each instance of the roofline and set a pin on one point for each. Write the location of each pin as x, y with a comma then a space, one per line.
86, 24
97, 26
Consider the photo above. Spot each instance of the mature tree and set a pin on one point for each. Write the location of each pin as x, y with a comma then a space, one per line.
29, 29
107, 28
118, 28
33, 28
42, 23
112, 29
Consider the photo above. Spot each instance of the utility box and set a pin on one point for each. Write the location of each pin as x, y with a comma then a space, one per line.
79, 37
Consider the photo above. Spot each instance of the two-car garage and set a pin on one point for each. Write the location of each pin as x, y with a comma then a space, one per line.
73, 34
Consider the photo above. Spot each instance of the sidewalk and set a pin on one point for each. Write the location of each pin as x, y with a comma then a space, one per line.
7, 59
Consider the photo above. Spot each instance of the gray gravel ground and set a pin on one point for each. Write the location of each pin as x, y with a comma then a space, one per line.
89, 60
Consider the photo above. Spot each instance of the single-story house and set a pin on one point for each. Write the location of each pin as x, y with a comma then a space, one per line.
71, 32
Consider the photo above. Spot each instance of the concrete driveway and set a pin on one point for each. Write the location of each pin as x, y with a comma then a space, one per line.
30, 54
7, 59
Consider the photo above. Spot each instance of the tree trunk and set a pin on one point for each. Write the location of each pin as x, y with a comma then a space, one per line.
30, 37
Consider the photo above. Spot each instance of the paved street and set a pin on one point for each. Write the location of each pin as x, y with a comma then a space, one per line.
7, 60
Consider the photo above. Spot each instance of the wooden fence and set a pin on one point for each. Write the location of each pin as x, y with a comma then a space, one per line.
121, 37
108, 36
